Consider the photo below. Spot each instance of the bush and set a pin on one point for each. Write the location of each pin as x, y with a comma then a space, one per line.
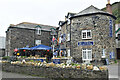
23, 56
31, 60
115, 61
5, 58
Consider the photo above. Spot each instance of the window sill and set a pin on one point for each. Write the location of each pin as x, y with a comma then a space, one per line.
103, 57
87, 59
39, 34
87, 38
68, 40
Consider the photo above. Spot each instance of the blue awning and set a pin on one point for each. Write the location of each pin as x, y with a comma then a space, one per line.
26, 48
41, 47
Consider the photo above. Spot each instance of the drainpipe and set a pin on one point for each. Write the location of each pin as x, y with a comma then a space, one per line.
70, 37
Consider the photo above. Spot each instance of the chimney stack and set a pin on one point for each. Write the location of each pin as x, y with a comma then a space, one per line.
108, 7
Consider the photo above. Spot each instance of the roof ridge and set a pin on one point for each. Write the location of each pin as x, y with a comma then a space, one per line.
35, 24
88, 8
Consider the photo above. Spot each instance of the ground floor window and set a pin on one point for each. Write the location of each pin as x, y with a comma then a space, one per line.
86, 54
37, 42
68, 52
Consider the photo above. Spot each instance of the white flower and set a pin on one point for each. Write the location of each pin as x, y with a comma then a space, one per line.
95, 68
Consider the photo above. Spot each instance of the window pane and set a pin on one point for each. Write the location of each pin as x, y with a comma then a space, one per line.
84, 54
88, 34
84, 35
89, 55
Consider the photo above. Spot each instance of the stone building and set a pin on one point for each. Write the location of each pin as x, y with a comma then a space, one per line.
89, 35
118, 40
2, 46
28, 34
117, 35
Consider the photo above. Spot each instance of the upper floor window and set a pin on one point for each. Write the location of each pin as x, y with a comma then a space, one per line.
53, 31
86, 34
38, 30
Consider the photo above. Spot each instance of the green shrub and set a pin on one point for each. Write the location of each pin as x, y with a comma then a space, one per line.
6, 58
23, 56
31, 60
115, 61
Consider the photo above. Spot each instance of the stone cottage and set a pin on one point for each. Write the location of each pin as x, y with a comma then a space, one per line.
28, 34
89, 35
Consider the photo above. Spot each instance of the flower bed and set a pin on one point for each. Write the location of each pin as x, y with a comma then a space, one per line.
50, 70
62, 65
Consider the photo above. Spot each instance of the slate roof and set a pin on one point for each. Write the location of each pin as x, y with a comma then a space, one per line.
92, 10
29, 25
71, 14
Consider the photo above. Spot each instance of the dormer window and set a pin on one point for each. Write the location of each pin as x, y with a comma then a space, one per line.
38, 30
53, 31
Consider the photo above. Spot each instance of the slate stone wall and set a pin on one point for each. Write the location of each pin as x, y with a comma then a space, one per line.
2, 52
100, 35
50, 72
20, 37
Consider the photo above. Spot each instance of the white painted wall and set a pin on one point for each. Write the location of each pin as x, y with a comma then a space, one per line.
2, 42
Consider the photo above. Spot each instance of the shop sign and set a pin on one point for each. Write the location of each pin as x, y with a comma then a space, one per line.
85, 43
41, 60
56, 61
110, 28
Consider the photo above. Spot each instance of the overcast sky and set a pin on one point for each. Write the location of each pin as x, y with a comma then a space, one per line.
48, 12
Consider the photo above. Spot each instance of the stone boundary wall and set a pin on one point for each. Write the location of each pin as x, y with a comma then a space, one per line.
50, 72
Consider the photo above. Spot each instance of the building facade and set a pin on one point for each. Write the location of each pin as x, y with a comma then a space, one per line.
27, 35
117, 35
117, 28
2, 46
90, 35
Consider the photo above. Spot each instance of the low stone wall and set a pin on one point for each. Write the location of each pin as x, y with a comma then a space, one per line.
50, 72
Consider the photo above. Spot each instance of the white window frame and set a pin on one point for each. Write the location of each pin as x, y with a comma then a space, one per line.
68, 37
38, 31
86, 33
86, 54
37, 42
68, 52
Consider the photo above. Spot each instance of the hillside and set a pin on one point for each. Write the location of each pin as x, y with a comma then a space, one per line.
115, 10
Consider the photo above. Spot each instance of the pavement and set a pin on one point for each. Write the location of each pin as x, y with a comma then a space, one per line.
114, 70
